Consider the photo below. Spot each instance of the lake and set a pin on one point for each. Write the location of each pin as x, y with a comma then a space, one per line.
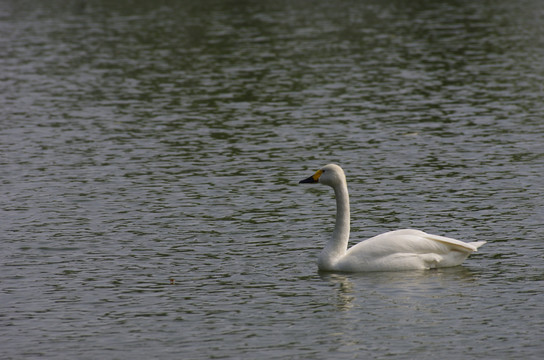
150, 154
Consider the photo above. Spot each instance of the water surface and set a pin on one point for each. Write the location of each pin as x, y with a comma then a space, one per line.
150, 155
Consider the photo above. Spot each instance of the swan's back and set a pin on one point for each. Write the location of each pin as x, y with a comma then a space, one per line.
405, 249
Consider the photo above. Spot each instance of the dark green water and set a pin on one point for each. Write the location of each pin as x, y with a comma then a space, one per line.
147, 141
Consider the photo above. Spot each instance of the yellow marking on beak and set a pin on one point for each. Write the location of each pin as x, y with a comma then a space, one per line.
317, 175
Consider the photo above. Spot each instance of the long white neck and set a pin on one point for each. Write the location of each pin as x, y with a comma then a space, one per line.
338, 244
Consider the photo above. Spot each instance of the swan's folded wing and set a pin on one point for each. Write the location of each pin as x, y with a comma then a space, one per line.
459, 245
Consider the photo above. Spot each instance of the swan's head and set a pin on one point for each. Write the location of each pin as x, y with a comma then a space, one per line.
331, 175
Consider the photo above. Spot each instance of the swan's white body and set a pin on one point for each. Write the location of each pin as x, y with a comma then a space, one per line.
406, 249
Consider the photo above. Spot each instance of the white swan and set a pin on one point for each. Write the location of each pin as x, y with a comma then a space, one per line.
406, 249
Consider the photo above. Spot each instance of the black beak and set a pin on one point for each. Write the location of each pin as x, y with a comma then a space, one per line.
309, 180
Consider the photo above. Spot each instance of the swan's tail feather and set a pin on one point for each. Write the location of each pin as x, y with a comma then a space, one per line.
477, 244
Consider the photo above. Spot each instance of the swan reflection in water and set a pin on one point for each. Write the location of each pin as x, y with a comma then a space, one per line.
393, 290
